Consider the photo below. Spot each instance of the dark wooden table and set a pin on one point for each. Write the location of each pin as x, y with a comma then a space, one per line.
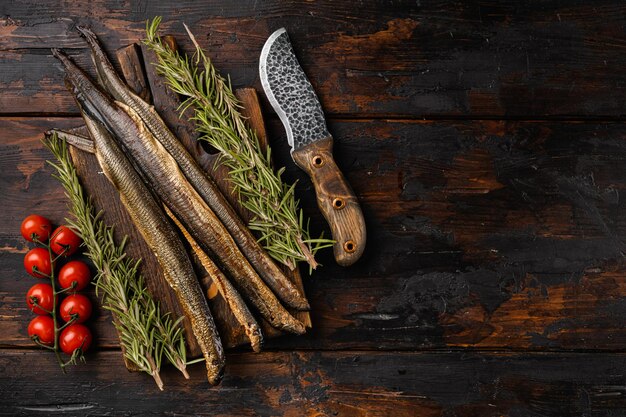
486, 141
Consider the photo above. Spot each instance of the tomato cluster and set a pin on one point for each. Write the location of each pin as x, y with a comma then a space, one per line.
72, 337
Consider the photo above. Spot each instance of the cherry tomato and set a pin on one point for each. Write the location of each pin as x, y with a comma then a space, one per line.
43, 328
35, 226
74, 271
37, 262
75, 304
75, 336
43, 294
64, 241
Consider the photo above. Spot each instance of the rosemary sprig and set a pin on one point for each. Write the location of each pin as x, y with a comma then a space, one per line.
277, 218
145, 334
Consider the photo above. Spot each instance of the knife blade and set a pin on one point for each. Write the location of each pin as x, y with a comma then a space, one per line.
292, 96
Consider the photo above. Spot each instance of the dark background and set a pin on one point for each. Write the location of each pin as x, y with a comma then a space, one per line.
486, 143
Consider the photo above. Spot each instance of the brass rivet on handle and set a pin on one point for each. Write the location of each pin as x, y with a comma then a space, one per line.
349, 246
317, 161
338, 203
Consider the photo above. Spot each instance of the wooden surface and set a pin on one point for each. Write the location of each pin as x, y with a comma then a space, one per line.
486, 143
148, 84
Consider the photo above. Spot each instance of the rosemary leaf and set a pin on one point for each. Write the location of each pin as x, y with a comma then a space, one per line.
216, 113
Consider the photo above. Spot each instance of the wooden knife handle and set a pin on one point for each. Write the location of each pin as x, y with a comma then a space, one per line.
335, 199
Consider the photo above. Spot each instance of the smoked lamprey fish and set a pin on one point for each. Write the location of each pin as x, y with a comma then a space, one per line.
160, 237
256, 255
229, 293
160, 170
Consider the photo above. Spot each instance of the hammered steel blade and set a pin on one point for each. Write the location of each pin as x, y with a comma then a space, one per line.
290, 92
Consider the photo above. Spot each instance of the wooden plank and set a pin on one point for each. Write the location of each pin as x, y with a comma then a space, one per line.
484, 234
422, 59
326, 384
129, 59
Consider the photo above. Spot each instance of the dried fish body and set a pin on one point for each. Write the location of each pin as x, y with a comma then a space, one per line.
238, 307
206, 188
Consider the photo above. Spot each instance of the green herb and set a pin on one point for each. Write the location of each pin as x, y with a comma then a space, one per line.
277, 217
145, 334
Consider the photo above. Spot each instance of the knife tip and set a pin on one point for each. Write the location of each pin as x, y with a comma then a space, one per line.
279, 31
276, 34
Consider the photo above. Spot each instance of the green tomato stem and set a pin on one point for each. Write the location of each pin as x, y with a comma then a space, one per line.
38, 343
71, 321
39, 273
35, 302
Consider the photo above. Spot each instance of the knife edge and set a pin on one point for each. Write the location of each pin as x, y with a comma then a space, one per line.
266, 85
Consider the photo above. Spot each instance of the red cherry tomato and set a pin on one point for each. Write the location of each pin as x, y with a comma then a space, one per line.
37, 262
35, 226
43, 328
75, 336
75, 304
64, 241
74, 271
40, 299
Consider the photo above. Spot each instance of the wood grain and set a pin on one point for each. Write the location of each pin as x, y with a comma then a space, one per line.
131, 63
418, 59
328, 384
335, 200
483, 234
493, 282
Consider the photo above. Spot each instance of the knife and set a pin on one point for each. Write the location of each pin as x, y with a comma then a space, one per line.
293, 98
